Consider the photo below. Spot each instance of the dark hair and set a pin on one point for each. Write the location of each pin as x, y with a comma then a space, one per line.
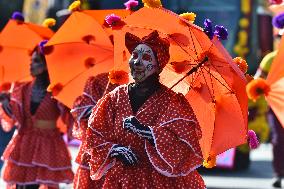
38, 51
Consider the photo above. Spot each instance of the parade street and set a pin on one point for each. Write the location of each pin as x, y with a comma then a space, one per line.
257, 177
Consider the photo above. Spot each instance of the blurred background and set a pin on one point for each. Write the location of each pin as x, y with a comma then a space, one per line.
251, 36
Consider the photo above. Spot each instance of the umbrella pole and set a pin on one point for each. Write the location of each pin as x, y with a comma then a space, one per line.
194, 69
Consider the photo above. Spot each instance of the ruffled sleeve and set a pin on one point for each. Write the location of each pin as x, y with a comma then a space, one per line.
176, 151
98, 142
16, 104
66, 120
92, 93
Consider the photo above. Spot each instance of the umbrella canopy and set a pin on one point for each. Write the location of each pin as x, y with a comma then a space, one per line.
275, 80
81, 48
211, 82
17, 41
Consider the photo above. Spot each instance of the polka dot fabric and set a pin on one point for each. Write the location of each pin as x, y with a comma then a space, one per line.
170, 163
94, 89
34, 155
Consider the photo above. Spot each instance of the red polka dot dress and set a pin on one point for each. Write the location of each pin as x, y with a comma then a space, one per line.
94, 89
170, 162
35, 155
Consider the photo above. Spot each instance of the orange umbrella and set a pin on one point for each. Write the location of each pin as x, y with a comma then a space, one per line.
17, 40
273, 86
81, 48
199, 69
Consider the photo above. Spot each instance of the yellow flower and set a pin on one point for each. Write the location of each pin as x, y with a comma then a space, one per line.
241, 50
243, 37
49, 22
152, 3
189, 16
244, 23
245, 6
210, 162
75, 6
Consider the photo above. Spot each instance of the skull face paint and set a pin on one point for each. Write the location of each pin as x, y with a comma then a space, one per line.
142, 63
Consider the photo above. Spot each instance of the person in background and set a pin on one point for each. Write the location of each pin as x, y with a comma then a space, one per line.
37, 154
277, 131
95, 88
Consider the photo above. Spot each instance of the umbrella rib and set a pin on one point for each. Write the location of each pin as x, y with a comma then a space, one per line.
197, 40
213, 99
218, 79
183, 48
220, 75
195, 79
193, 70
212, 83
193, 43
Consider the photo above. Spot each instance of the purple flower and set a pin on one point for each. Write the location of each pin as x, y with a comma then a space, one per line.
278, 21
221, 32
208, 28
252, 139
129, 5
18, 16
41, 46
112, 19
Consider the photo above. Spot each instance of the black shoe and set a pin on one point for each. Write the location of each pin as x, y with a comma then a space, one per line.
277, 183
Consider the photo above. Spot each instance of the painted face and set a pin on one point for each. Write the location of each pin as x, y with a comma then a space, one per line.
142, 63
38, 65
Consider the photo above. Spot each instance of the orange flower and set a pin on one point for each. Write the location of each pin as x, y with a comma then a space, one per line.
5, 86
55, 88
118, 77
90, 62
242, 64
256, 88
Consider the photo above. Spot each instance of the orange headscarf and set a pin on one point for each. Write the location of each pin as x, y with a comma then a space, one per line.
159, 46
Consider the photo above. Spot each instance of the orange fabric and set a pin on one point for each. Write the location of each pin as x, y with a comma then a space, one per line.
17, 40
72, 57
219, 121
277, 69
275, 79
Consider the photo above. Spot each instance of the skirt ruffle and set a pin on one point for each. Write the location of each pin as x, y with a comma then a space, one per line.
37, 156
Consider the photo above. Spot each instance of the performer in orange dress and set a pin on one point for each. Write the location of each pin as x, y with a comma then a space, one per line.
37, 154
144, 135
94, 89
